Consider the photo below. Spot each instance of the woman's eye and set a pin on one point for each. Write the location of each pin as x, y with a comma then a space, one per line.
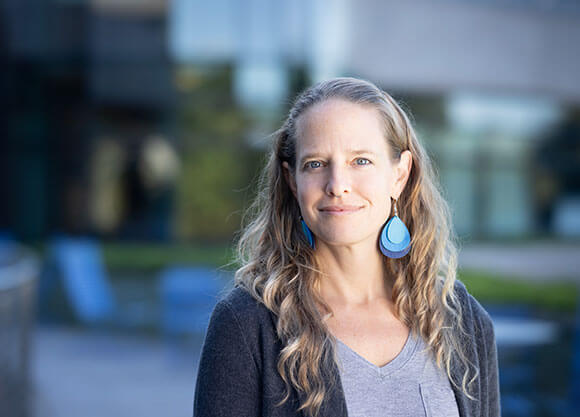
313, 164
362, 161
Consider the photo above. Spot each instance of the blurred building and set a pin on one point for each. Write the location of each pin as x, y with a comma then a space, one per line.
493, 86
77, 75
487, 81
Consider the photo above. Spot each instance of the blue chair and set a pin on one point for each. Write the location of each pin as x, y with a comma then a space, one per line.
188, 295
78, 263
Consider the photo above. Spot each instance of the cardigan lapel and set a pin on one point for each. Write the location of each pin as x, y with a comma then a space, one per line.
464, 407
334, 404
467, 407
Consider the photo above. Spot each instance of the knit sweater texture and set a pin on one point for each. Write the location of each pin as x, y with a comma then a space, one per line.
238, 376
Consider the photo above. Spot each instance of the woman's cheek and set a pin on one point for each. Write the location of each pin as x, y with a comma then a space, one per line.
304, 191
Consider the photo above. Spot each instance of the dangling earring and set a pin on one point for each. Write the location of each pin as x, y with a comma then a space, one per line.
395, 241
307, 233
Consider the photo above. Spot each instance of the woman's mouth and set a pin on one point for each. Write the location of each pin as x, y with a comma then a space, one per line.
340, 209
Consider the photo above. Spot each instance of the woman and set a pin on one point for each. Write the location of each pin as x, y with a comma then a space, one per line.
346, 302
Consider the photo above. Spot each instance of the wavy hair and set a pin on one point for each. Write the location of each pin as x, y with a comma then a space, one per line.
279, 269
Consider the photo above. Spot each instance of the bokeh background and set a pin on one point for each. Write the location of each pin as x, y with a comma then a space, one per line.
132, 133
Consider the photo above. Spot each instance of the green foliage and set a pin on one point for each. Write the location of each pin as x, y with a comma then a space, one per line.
217, 162
149, 257
504, 290
210, 191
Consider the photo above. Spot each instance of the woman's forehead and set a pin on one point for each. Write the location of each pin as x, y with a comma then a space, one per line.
337, 124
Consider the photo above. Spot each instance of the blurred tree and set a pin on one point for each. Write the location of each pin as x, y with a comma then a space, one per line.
207, 196
217, 162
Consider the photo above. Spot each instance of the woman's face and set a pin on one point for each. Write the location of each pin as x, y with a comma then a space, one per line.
344, 177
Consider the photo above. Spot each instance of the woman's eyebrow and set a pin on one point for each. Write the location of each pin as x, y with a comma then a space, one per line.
359, 151
351, 152
308, 156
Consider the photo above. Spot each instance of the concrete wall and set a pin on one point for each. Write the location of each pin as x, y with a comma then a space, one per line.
446, 45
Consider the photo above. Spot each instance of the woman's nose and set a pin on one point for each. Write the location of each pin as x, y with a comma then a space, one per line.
338, 182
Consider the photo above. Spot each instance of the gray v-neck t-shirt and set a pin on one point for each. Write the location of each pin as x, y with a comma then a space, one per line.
411, 385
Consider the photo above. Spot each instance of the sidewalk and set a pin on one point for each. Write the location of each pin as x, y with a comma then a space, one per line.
76, 372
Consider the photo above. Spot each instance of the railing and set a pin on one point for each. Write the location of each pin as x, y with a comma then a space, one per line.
18, 278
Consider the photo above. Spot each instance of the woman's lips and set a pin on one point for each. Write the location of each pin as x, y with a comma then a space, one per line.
340, 209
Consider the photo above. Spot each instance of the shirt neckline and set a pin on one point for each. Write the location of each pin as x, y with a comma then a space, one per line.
395, 364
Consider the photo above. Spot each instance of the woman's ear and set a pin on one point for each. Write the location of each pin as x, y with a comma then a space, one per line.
289, 175
402, 172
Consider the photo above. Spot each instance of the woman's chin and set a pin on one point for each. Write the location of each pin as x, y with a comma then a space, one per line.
341, 240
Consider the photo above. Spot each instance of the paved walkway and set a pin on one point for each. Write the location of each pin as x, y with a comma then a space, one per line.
94, 374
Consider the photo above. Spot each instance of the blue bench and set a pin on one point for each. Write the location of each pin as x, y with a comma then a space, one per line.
188, 296
78, 264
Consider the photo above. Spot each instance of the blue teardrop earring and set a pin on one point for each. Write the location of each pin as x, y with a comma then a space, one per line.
308, 233
395, 241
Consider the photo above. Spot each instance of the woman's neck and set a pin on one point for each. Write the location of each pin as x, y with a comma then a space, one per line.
352, 275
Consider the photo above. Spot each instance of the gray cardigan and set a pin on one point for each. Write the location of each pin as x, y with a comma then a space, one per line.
238, 377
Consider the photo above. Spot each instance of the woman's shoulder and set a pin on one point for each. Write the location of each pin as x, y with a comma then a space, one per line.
238, 303
239, 320
240, 300
472, 311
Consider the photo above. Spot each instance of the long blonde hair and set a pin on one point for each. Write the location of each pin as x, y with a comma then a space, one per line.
278, 266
